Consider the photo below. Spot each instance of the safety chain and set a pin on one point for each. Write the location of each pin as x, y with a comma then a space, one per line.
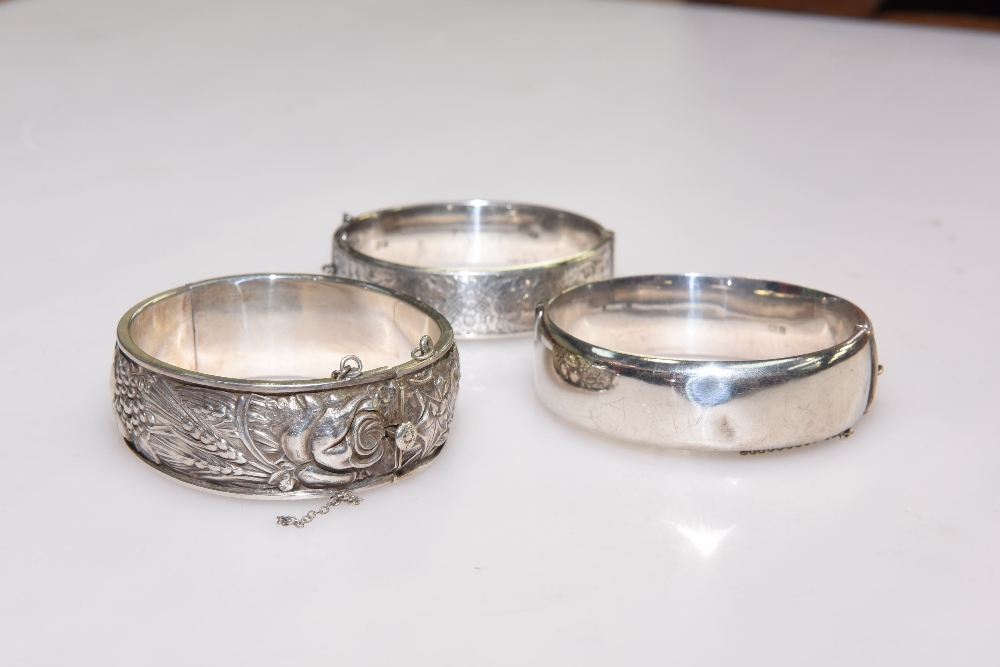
341, 497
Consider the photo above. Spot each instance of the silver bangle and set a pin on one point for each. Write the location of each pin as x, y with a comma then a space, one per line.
284, 385
483, 265
704, 362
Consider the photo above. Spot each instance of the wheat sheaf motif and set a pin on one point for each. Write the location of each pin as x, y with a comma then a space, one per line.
246, 442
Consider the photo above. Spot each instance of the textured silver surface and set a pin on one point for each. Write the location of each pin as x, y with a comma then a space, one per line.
357, 432
702, 362
532, 259
288, 445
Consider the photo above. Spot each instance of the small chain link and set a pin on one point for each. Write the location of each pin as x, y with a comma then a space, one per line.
347, 369
424, 348
341, 497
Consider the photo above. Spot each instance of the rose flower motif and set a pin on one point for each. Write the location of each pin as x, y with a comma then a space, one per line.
330, 443
406, 436
365, 438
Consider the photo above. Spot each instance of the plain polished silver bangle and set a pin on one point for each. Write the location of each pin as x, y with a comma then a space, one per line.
284, 385
705, 362
484, 265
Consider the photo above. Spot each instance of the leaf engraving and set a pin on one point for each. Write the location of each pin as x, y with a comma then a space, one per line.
245, 442
478, 304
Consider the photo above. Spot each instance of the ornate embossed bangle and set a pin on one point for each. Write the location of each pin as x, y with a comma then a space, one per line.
284, 385
484, 265
704, 362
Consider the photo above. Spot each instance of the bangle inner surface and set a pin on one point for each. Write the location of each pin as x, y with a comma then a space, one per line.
705, 318
472, 236
279, 328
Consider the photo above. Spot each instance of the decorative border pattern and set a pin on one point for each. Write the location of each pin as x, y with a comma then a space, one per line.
481, 304
304, 444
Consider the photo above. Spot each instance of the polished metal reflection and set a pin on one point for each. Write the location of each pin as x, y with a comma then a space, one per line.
485, 265
705, 362
284, 385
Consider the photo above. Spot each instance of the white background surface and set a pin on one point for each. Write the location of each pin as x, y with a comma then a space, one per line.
148, 144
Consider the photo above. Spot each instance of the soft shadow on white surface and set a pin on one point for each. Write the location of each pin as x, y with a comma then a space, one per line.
147, 145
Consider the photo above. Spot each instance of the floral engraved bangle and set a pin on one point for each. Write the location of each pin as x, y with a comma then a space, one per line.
284, 385
485, 265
